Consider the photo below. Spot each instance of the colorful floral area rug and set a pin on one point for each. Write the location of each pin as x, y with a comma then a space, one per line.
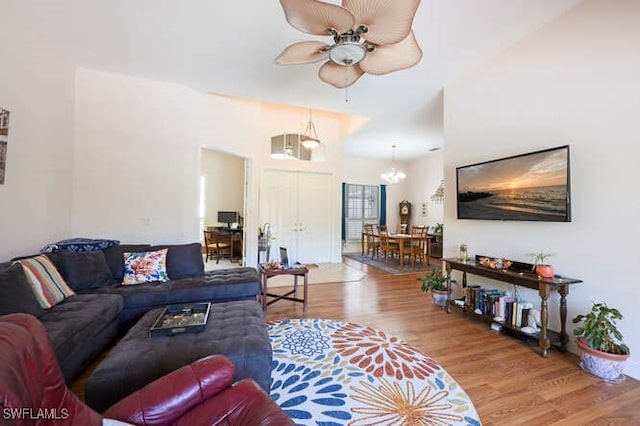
334, 373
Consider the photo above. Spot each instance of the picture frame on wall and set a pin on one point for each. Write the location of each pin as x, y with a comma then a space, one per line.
4, 139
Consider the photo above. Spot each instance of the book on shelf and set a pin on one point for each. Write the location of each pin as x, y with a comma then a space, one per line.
523, 313
502, 304
469, 293
508, 313
516, 312
517, 317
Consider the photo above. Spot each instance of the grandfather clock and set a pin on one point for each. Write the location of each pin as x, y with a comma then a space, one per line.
405, 214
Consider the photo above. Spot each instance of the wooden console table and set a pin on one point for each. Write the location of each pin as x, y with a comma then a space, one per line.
266, 273
523, 279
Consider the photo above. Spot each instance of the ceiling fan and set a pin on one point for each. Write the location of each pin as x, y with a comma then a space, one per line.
369, 36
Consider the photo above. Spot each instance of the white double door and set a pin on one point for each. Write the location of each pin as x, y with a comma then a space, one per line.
298, 206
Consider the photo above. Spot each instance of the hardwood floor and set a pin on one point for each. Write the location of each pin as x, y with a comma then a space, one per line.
505, 377
508, 381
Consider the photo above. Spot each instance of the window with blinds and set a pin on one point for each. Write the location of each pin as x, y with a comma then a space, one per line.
362, 204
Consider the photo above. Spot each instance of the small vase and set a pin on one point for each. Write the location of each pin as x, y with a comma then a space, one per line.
464, 254
545, 271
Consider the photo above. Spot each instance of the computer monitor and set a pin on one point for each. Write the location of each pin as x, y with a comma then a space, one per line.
228, 218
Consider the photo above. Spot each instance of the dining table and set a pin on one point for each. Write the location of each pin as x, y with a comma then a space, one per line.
401, 239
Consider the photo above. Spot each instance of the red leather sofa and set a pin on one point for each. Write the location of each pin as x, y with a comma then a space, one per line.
33, 391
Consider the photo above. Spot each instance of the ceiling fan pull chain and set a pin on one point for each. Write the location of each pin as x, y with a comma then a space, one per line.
346, 95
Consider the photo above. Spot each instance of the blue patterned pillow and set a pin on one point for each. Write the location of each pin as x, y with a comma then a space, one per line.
80, 245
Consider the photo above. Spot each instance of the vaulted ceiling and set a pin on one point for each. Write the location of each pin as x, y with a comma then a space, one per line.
228, 47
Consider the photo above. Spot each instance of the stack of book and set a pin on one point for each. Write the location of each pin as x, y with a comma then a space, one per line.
495, 303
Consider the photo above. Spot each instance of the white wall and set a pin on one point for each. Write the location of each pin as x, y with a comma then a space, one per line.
224, 187
136, 159
138, 148
424, 176
245, 128
36, 86
573, 82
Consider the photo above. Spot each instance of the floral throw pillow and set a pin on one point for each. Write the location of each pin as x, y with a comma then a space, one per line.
145, 266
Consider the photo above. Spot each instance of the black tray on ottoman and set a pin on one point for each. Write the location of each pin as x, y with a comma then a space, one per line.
175, 319
236, 330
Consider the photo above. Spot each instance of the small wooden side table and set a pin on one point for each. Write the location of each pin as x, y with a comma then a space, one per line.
266, 273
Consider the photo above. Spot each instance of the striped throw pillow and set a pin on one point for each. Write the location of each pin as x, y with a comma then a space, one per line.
46, 282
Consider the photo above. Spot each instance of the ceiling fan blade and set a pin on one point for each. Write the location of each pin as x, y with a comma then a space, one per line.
339, 76
392, 57
389, 21
315, 17
304, 52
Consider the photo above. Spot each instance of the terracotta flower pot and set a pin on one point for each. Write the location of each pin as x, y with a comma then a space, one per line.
439, 297
545, 271
601, 364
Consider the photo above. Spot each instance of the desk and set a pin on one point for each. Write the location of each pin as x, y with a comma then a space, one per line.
235, 237
265, 274
236, 245
524, 279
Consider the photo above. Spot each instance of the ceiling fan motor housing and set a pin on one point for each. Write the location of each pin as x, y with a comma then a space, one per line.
348, 49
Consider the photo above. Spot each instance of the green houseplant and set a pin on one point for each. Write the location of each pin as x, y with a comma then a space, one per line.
602, 350
543, 268
435, 282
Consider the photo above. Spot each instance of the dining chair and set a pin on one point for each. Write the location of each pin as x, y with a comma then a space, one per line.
217, 245
419, 245
373, 239
388, 247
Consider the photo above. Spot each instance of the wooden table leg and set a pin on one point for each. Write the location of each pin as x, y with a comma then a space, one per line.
362, 243
264, 292
401, 250
304, 291
295, 286
448, 268
564, 337
544, 342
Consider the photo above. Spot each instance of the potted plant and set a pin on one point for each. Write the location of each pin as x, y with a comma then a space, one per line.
543, 268
602, 351
437, 229
435, 282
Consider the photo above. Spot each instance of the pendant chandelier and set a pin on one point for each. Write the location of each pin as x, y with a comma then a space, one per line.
309, 137
393, 175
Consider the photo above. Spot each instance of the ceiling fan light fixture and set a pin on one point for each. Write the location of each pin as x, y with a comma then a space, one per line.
347, 53
377, 47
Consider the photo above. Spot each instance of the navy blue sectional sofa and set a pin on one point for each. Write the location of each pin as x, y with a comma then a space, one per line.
83, 326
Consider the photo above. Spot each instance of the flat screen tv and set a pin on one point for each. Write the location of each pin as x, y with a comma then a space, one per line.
528, 187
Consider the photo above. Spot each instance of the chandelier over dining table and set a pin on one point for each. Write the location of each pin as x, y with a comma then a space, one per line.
393, 175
